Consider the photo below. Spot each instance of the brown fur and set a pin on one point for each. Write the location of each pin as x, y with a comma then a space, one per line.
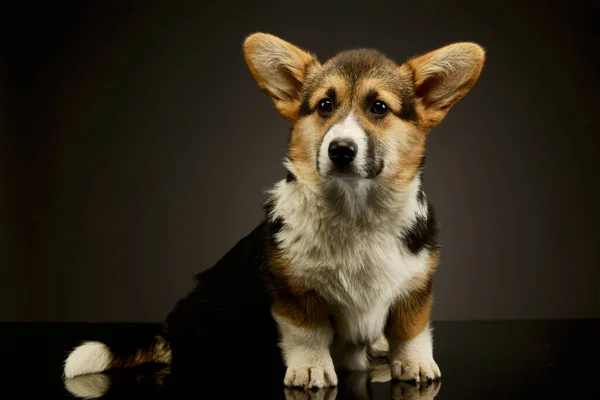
300, 306
292, 71
437, 92
411, 314
158, 352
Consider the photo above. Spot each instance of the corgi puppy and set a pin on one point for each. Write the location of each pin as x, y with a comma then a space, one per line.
345, 257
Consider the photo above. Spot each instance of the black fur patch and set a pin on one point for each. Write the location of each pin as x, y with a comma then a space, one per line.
370, 98
408, 112
275, 227
230, 299
370, 153
304, 108
422, 163
423, 234
268, 207
332, 96
374, 166
272, 227
290, 177
421, 193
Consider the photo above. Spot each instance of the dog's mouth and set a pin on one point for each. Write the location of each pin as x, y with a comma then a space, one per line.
352, 172
346, 173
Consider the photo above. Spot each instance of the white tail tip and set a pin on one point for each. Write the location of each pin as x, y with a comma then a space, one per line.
88, 358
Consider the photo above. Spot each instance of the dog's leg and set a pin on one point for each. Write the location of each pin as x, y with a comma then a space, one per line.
306, 335
410, 339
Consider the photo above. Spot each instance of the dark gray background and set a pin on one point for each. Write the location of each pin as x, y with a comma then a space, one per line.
135, 149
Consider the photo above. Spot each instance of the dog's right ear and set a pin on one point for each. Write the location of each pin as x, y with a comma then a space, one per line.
280, 68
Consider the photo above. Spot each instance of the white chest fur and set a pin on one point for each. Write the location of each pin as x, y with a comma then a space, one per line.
358, 269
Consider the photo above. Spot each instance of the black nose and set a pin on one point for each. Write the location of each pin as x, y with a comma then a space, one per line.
342, 152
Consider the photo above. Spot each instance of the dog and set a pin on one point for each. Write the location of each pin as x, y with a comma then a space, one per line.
344, 259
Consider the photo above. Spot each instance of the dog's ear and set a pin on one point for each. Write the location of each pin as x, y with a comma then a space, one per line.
444, 76
280, 68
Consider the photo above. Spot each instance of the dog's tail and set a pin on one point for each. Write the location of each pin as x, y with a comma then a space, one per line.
139, 345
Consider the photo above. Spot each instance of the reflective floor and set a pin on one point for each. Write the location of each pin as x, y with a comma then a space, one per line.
479, 360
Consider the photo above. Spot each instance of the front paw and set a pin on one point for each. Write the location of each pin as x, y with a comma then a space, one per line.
310, 377
415, 369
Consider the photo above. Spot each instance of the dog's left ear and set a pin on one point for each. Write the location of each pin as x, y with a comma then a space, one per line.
280, 68
444, 76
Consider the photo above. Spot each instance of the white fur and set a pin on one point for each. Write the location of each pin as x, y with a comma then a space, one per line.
306, 355
351, 254
88, 358
413, 208
413, 359
359, 270
380, 348
88, 386
347, 129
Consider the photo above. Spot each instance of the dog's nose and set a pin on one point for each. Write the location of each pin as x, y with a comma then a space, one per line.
342, 152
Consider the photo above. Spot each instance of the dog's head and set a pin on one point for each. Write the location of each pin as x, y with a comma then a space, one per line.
360, 116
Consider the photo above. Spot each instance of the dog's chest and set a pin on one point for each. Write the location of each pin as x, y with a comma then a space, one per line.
351, 269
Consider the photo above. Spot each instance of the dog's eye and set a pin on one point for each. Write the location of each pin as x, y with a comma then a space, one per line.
324, 107
379, 107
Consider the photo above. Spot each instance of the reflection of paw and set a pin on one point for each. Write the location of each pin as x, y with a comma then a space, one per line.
351, 358
310, 376
321, 394
88, 386
380, 371
415, 369
357, 385
415, 391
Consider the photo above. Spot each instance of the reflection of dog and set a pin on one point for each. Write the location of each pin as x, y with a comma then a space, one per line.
147, 382
154, 382
420, 391
348, 248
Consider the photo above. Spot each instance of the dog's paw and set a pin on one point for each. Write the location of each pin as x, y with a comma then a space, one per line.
310, 377
415, 369
415, 391
321, 394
